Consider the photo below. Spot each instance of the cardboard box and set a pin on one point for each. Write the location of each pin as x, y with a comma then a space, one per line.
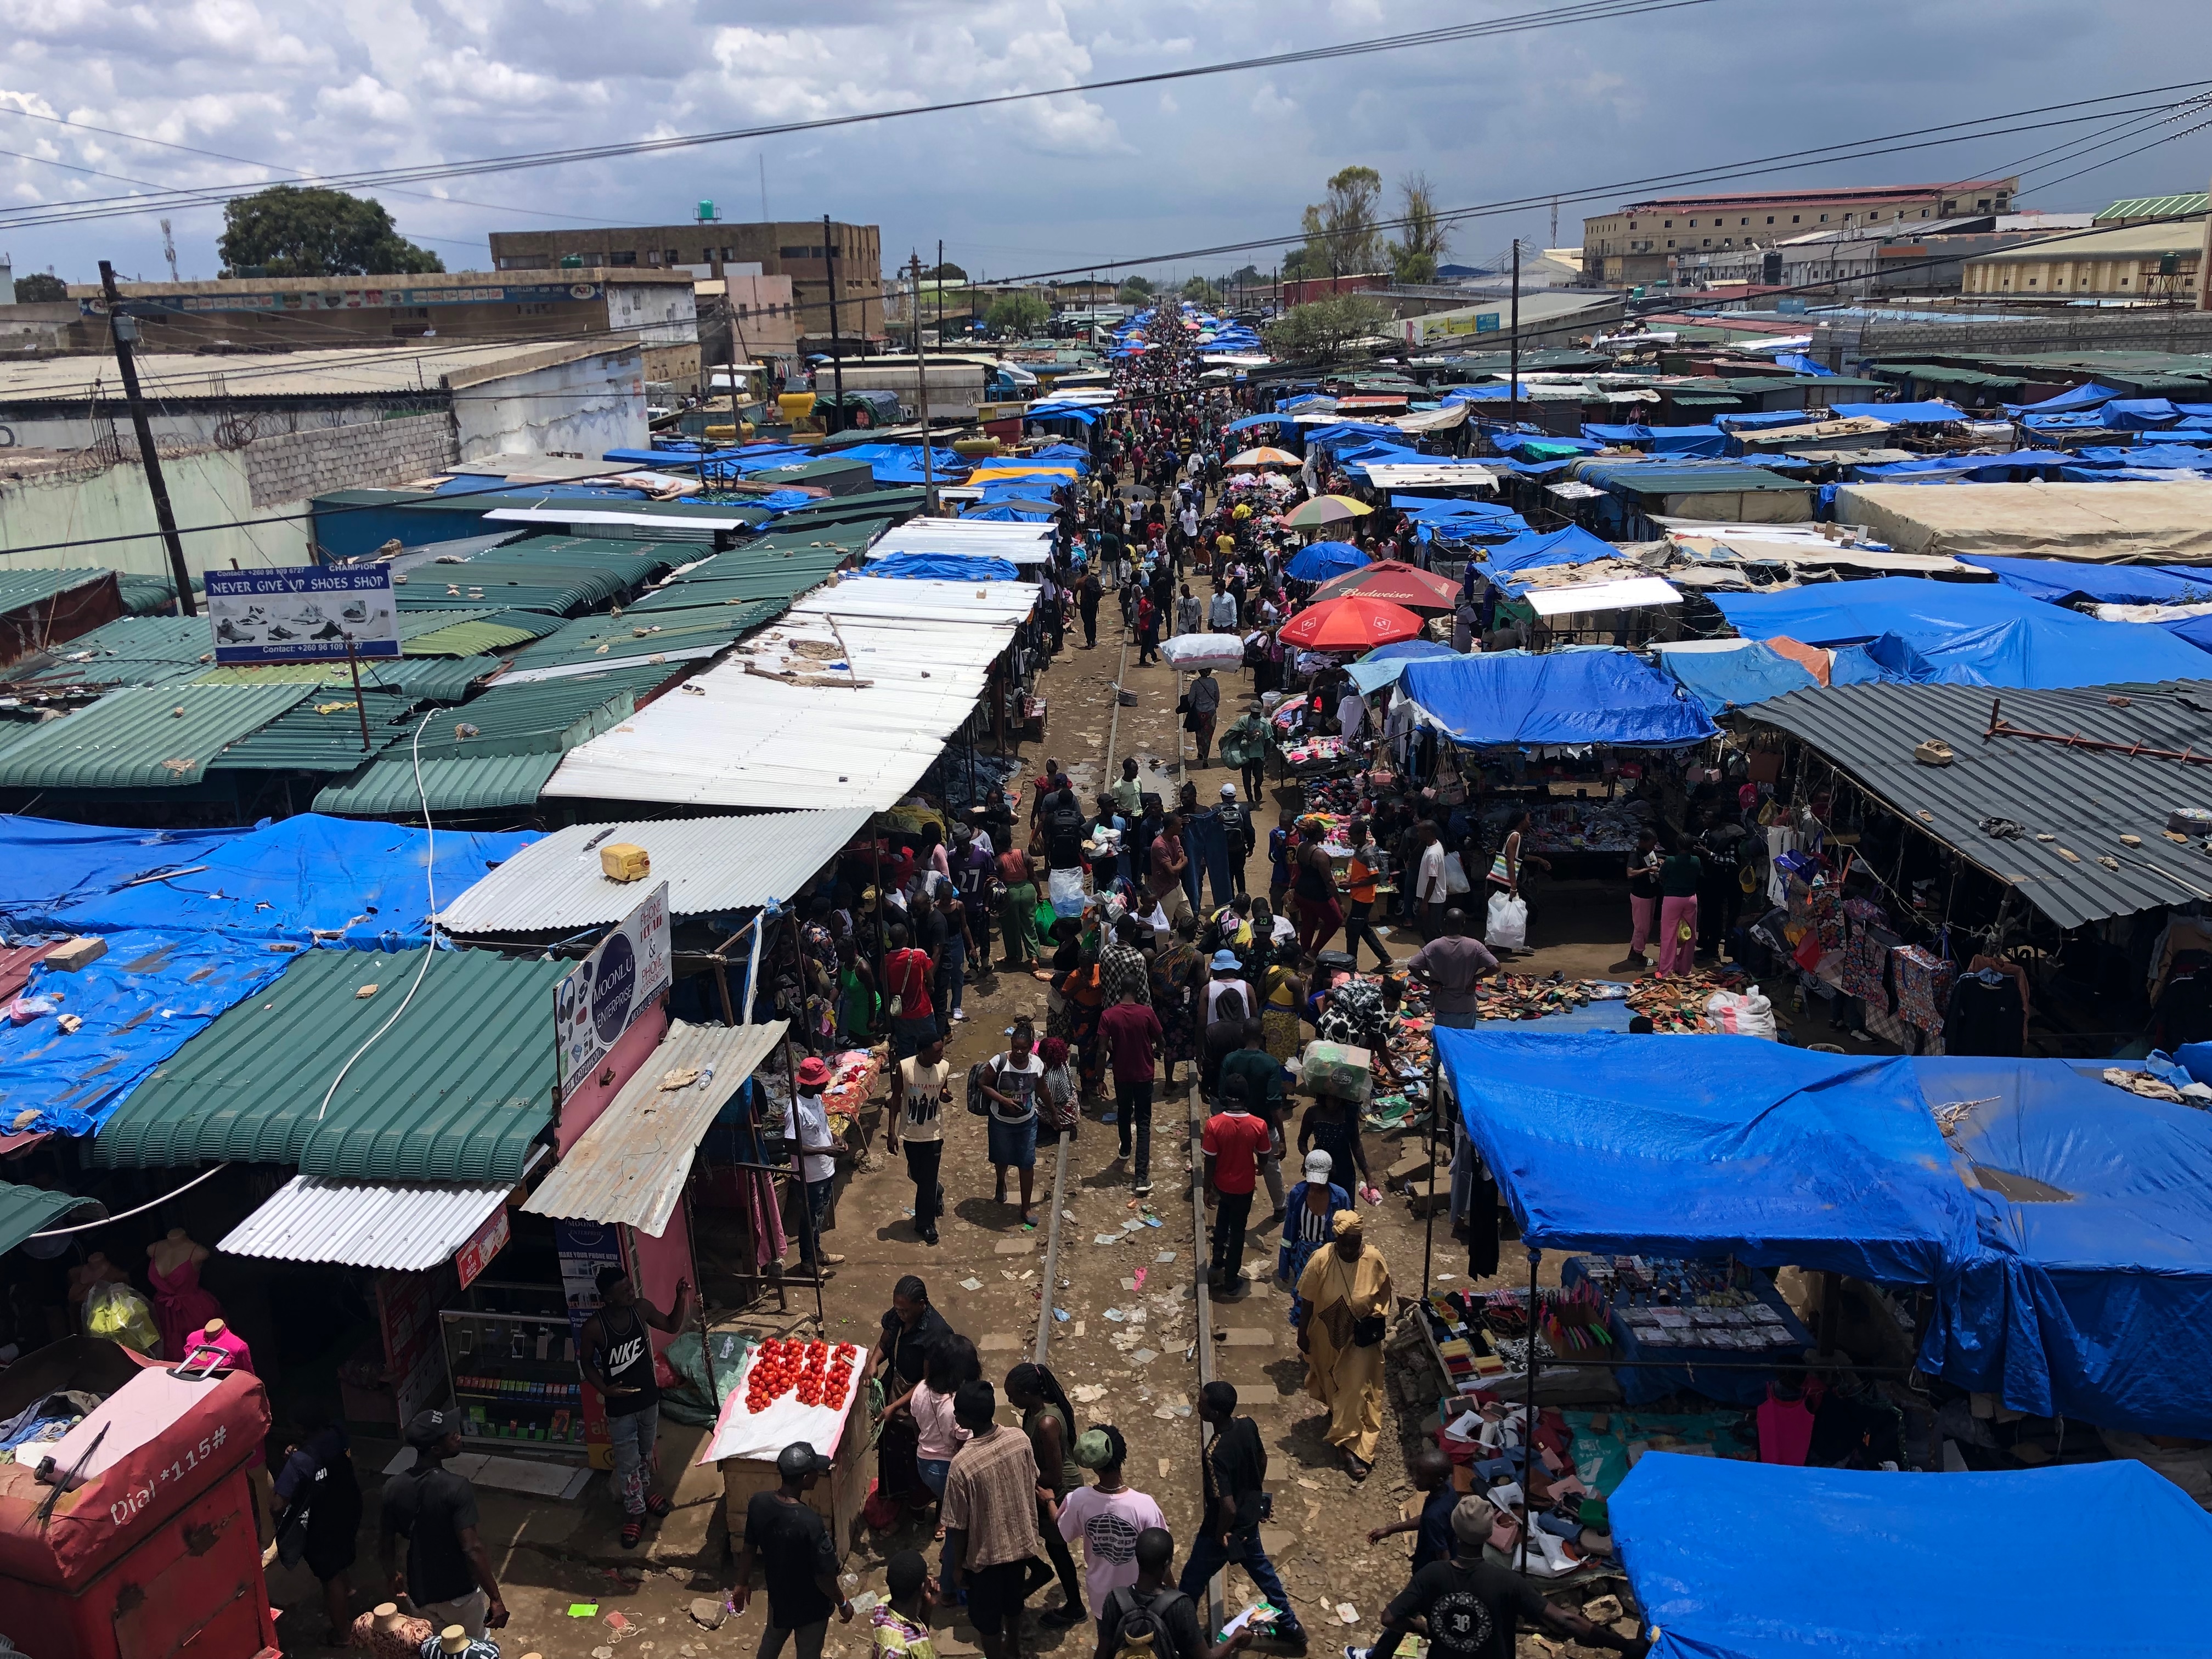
73, 954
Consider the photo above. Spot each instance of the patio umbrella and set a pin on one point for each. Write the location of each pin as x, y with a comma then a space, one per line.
1323, 560
1325, 510
1351, 624
1263, 455
1395, 581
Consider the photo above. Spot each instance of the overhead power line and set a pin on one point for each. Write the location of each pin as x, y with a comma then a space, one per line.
1588, 11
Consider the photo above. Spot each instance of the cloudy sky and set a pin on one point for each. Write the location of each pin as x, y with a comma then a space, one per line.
1115, 177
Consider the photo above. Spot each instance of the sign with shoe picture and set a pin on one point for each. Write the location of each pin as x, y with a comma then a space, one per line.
302, 613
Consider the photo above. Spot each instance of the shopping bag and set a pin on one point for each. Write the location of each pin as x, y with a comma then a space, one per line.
1066, 890
1509, 923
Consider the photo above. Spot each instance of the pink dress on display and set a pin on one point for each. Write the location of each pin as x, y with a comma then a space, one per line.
181, 1306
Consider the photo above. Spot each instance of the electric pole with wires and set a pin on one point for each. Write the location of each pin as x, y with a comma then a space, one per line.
124, 327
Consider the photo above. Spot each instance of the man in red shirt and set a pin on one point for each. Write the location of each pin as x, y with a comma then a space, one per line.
907, 974
1132, 1034
1233, 1142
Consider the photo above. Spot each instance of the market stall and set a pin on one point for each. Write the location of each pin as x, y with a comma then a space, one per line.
788, 1391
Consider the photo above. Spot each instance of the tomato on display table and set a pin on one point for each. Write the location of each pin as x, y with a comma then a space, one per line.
792, 1389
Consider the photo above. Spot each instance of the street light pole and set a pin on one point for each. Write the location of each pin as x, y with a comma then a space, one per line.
124, 327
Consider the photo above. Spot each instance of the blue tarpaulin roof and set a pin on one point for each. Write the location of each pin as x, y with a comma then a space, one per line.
1601, 695
1708, 440
359, 880
1971, 633
1736, 1560
1736, 679
2092, 395
1712, 1147
152, 992
1010, 511
2016, 466
944, 566
2055, 579
1323, 560
1804, 364
1573, 545
1245, 423
1760, 419
1899, 414
1383, 665
2098, 1305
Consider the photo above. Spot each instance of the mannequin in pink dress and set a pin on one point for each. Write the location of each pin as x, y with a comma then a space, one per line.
181, 1306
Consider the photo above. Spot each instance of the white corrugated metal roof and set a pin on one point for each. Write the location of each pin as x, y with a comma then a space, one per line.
1411, 474
339, 370
1591, 597
631, 1165
693, 521
406, 1225
845, 702
710, 865
1017, 543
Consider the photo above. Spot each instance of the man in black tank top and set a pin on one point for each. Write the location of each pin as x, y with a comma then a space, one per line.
616, 1359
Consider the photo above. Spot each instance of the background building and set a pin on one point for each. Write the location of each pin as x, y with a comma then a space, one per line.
2153, 262
711, 249
1634, 243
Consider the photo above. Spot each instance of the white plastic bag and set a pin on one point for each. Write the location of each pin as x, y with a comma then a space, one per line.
1749, 1014
1509, 923
1066, 891
1456, 881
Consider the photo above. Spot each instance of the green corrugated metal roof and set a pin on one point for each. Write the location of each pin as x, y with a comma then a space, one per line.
1935, 374
541, 716
26, 1209
20, 587
147, 596
319, 733
385, 788
129, 651
135, 739
2157, 207
479, 634
665, 631
456, 1091
419, 679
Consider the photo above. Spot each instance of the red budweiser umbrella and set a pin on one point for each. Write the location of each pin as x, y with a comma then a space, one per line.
1396, 582
1356, 623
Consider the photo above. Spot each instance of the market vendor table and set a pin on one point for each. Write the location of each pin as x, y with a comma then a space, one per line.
745, 1443
1670, 1367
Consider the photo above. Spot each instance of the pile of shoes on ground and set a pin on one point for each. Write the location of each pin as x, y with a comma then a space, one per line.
1676, 1004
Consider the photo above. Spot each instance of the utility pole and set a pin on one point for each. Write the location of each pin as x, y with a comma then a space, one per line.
124, 327
2204, 269
921, 376
940, 293
1513, 346
837, 336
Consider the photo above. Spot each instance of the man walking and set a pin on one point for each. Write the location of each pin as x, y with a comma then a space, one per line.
990, 1516
448, 1575
908, 973
1233, 1142
1165, 872
617, 1361
1236, 821
925, 1088
806, 1128
1205, 708
1152, 1613
1131, 1035
786, 1535
1234, 1471
1088, 593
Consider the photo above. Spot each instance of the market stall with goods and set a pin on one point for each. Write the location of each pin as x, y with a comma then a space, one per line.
789, 1390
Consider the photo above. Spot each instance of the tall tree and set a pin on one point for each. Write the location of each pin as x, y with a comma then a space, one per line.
1421, 239
947, 272
1323, 328
1340, 234
1021, 314
285, 231
38, 287
1134, 291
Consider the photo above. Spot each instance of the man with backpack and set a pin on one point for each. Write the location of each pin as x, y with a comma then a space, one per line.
1063, 821
1234, 1471
1153, 1619
1236, 821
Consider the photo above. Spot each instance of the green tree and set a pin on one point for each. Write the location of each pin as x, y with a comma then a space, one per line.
1197, 291
39, 287
1323, 328
284, 231
1422, 240
1134, 291
1341, 238
1018, 314
947, 272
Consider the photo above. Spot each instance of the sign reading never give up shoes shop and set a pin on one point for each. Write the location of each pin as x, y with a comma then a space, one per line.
593, 1005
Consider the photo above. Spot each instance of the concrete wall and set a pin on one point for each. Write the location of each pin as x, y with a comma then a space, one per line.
79, 506
297, 465
583, 408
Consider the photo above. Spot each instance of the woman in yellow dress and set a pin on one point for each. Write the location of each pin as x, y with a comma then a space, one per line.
1349, 1296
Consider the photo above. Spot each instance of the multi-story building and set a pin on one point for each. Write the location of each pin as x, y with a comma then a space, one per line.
2153, 262
1637, 243
709, 248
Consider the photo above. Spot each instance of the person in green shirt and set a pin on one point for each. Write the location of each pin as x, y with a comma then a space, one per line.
1127, 793
1263, 1089
1244, 747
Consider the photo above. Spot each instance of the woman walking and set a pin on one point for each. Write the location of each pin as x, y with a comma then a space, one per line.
1048, 1420
1348, 1295
1010, 1086
1176, 970
1017, 909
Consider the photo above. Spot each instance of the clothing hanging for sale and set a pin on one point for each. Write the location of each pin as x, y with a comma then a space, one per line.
1785, 1428
1205, 841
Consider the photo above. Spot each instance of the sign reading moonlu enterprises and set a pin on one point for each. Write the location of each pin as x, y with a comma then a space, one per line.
302, 613
593, 1005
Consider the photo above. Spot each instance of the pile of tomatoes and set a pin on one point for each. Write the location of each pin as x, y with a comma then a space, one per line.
821, 1373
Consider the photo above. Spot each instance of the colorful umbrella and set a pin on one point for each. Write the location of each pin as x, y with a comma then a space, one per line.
1325, 510
1324, 560
1396, 582
1263, 455
1351, 624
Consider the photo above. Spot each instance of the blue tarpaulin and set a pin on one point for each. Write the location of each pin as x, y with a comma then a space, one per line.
1599, 695
1736, 679
2166, 456
2092, 395
1971, 632
153, 991
1926, 414
1737, 1560
1011, 512
1702, 441
1803, 364
1712, 1146
359, 883
1245, 423
944, 566
1760, 420
1450, 506
2017, 466
1573, 545
2094, 1302
2056, 579
1323, 560
1383, 665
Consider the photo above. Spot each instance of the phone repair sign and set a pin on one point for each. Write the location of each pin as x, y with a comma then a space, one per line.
303, 613
593, 1005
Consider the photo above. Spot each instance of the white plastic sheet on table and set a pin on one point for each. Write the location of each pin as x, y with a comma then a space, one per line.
742, 1433
1190, 651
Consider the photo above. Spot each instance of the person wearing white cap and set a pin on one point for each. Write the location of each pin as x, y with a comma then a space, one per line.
1308, 1221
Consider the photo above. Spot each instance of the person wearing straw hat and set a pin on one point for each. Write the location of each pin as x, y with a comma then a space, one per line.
1349, 1296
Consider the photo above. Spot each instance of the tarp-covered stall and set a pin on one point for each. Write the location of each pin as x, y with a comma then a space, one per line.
1735, 1560
2129, 522
1599, 694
